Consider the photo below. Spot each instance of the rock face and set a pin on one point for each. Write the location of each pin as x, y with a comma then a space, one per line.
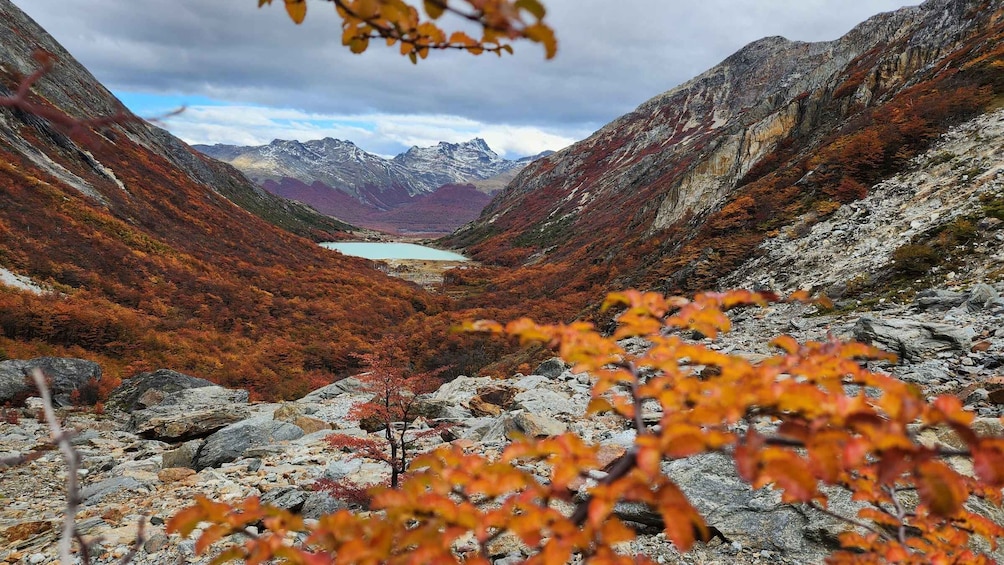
637, 191
235, 440
171, 406
65, 375
913, 340
855, 247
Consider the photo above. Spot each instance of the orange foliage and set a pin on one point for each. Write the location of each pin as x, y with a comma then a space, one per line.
828, 432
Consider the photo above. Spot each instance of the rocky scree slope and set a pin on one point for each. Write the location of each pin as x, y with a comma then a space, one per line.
167, 437
645, 193
949, 201
146, 252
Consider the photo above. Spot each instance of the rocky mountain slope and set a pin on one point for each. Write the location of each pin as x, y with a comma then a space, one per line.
322, 172
130, 247
682, 190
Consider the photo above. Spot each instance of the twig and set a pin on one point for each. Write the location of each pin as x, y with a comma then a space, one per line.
849, 520
72, 459
75, 128
900, 514
128, 557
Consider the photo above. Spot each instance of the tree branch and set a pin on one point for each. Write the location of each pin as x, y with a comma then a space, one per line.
78, 129
72, 459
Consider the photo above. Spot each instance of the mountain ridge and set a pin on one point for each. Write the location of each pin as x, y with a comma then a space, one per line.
151, 253
386, 194
343, 165
643, 187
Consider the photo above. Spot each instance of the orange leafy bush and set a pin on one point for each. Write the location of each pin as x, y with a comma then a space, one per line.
807, 417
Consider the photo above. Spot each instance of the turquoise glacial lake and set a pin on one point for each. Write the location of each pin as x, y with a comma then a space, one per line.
384, 250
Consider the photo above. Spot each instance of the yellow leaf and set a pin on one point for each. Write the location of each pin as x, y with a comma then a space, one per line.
297, 10
599, 406
532, 6
359, 44
434, 8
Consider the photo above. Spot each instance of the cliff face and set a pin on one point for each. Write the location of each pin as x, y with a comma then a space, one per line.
681, 156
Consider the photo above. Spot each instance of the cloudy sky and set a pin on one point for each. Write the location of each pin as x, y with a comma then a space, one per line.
249, 75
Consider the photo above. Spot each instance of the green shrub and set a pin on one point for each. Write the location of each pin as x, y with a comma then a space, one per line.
913, 259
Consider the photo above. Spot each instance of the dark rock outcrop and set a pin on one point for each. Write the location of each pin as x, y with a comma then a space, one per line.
190, 413
911, 339
65, 375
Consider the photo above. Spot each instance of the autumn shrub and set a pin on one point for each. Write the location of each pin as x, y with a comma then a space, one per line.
808, 418
10, 415
915, 259
847, 190
392, 410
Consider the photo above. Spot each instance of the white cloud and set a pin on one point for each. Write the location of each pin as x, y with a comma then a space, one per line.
385, 134
613, 55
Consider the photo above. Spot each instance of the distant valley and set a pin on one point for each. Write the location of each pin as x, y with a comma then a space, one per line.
424, 191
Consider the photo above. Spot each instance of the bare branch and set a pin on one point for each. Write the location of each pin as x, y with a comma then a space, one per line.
78, 129
72, 459
848, 520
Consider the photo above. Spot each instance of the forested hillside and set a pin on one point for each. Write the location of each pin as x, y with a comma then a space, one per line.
151, 255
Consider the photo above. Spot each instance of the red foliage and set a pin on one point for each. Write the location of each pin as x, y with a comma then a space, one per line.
393, 409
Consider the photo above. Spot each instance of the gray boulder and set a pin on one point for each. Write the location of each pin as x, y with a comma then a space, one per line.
462, 389
912, 340
980, 297
191, 413
64, 374
548, 403
349, 385
148, 389
287, 498
181, 456
435, 409
94, 493
319, 503
935, 299
205, 396
755, 518
230, 443
552, 368
183, 422
533, 426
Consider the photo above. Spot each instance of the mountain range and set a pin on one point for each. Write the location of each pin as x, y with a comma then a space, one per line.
398, 195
